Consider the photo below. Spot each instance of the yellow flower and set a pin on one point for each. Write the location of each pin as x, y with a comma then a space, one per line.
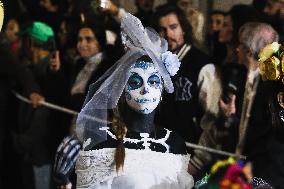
268, 51
272, 68
1, 14
222, 163
262, 71
282, 64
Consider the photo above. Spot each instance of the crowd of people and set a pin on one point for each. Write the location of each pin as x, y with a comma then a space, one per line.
151, 83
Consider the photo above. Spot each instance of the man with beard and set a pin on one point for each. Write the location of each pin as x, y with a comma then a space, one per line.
179, 111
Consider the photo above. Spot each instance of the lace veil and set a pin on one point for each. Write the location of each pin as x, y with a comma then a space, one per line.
104, 94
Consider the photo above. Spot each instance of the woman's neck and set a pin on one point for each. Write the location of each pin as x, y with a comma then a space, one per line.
143, 123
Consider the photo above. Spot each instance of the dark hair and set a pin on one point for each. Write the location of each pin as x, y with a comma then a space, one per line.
72, 24
166, 9
99, 31
217, 12
50, 45
145, 58
119, 128
240, 14
259, 4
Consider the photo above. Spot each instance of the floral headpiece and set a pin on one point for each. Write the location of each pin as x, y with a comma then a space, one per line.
134, 35
272, 62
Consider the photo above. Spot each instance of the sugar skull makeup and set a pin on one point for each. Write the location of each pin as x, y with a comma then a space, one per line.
144, 87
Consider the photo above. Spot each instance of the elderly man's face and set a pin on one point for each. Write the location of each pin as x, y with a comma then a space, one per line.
172, 31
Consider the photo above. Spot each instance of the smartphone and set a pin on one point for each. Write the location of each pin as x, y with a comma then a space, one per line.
103, 4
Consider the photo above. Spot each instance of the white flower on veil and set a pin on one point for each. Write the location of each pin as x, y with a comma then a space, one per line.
171, 62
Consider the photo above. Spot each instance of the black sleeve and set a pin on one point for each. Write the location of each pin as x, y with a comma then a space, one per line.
177, 144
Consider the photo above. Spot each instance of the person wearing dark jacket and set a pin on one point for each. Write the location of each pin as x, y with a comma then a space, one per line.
37, 126
178, 111
91, 63
13, 75
252, 135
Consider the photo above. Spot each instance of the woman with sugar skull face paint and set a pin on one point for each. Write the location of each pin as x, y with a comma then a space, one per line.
121, 146
144, 87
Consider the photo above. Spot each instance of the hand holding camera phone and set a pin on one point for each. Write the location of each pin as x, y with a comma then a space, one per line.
104, 4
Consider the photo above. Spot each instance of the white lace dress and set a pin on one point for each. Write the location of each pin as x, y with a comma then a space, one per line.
143, 168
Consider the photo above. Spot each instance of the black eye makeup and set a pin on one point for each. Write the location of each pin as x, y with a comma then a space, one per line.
154, 81
134, 82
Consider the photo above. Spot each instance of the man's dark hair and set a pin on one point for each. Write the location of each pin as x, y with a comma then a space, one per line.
241, 14
218, 12
167, 9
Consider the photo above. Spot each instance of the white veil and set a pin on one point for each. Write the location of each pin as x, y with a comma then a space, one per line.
104, 94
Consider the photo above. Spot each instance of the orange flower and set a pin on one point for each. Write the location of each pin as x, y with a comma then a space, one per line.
224, 184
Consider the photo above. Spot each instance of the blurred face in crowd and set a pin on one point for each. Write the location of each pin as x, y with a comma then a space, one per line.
226, 32
87, 44
12, 29
243, 54
183, 4
62, 33
145, 5
171, 30
216, 22
39, 54
272, 7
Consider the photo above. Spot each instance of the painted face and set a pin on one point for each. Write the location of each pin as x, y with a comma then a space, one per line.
87, 44
144, 87
172, 31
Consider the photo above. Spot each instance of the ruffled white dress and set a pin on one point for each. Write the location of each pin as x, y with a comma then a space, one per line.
143, 169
